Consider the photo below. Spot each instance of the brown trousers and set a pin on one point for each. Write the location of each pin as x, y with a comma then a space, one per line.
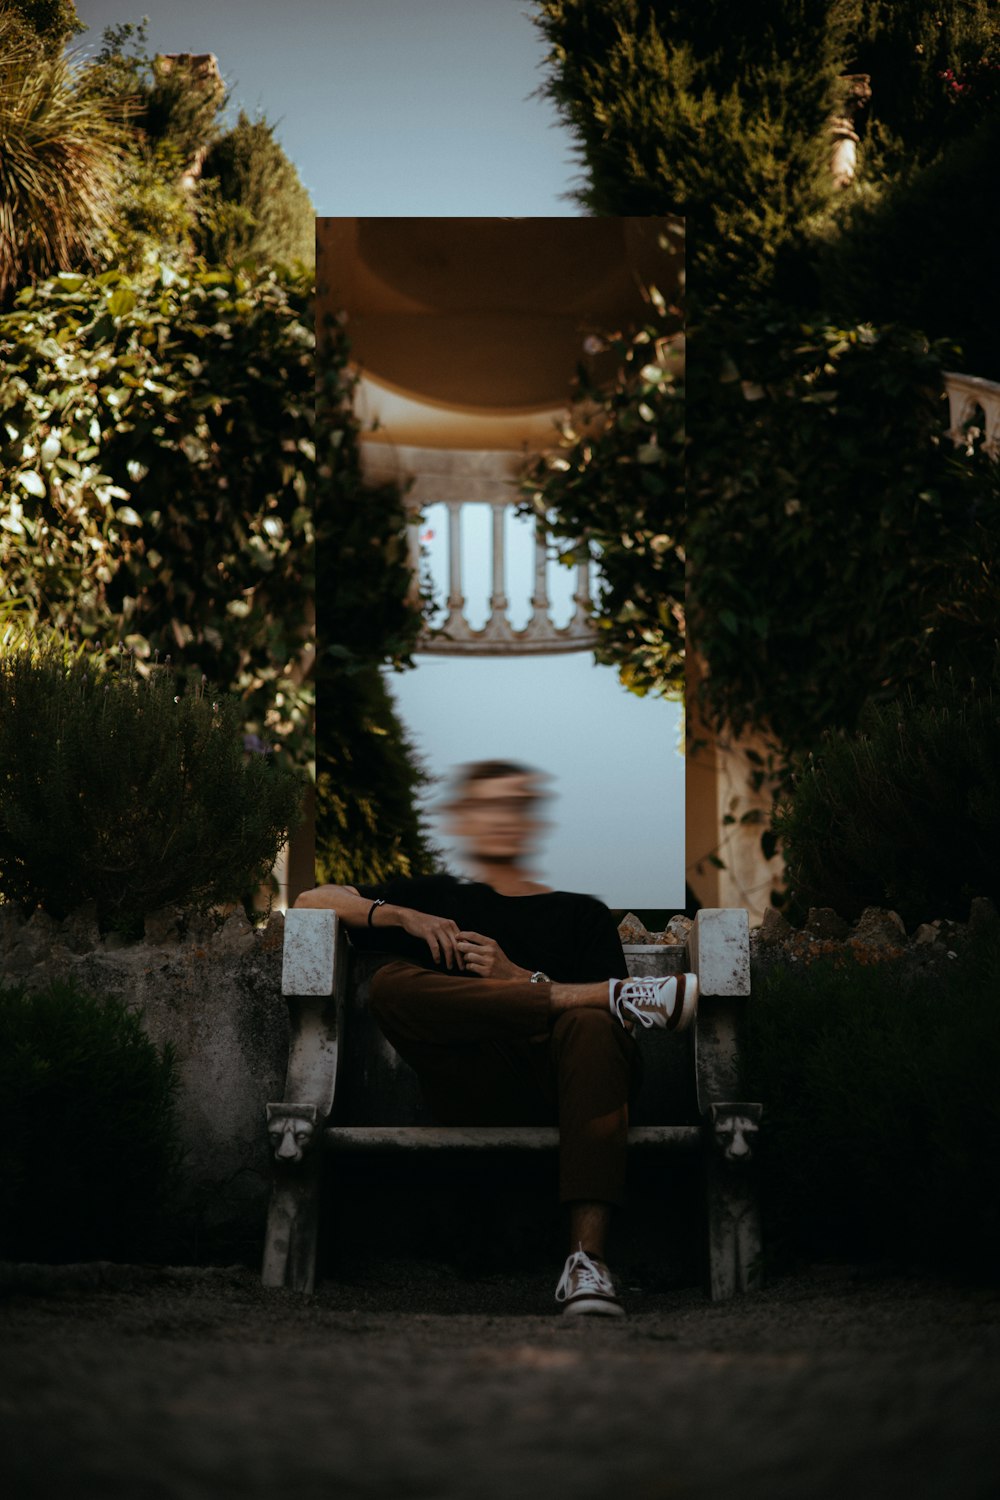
489, 1052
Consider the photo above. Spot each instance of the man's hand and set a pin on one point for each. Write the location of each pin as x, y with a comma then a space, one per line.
439, 933
485, 958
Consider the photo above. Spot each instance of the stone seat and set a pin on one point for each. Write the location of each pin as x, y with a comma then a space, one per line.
346, 1089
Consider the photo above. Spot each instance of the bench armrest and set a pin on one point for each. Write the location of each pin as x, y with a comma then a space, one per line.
719, 953
719, 950
313, 981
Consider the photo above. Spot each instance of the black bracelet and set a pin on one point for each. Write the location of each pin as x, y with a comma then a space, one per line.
371, 909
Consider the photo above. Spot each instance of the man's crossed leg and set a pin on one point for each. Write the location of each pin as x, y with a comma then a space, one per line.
516, 1052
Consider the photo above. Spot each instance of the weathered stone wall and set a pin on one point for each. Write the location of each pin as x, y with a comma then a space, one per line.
214, 993
878, 936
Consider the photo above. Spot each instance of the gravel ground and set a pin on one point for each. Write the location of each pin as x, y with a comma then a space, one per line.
185, 1384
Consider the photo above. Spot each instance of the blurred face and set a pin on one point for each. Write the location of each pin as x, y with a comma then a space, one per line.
498, 819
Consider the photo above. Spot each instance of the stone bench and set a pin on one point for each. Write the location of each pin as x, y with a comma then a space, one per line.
346, 1089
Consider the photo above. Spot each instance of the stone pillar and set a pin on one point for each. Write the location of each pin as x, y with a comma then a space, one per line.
844, 155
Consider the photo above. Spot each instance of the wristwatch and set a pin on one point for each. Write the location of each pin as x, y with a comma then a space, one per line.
539, 978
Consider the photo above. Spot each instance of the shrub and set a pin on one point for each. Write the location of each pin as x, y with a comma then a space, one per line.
717, 112
881, 1126
50, 22
117, 789
88, 1132
168, 109
59, 162
931, 205
818, 462
367, 826
721, 112
614, 489
259, 209
157, 444
904, 813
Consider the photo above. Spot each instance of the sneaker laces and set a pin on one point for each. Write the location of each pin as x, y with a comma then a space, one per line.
637, 992
590, 1277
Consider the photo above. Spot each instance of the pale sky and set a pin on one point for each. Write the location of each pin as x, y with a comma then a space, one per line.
385, 106
425, 108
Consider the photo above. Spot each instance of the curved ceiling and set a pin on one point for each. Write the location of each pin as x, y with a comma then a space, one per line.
389, 417
488, 314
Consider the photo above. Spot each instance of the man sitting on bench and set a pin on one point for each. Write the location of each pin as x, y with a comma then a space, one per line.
512, 1003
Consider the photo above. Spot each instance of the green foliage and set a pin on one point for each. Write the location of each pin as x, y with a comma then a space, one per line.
717, 111
52, 22
721, 111
615, 488
367, 782
89, 1150
931, 63
119, 789
919, 250
59, 163
157, 446
905, 813
188, 187
180, 107
169, 117
838, 543
889, 250
368, 772
373, 614
251, 202
881, 1125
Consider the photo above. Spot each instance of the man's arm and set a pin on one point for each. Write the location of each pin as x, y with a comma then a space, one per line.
346, 900
439, 933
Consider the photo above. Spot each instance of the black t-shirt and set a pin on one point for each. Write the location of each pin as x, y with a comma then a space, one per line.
573, 939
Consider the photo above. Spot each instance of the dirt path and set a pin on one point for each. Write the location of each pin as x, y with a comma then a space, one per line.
197, 1385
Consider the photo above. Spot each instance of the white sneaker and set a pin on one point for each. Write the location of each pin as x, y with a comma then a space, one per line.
670, 1001
586, 1287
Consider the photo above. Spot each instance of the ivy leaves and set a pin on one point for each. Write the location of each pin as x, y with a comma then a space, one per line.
371, 610
839, 544
615, 490
158, 464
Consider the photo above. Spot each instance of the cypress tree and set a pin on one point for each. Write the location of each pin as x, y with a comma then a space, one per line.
368, 776
718, 112
253, 204
721, 112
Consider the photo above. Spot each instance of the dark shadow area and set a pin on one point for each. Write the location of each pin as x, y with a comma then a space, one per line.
444, 1232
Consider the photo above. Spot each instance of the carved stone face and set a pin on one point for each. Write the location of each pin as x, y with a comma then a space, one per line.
734, 1136
290, 1137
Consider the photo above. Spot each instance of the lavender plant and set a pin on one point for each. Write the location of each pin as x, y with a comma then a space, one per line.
125, 790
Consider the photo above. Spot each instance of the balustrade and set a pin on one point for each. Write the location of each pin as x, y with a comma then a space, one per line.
966, 395
461, 480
